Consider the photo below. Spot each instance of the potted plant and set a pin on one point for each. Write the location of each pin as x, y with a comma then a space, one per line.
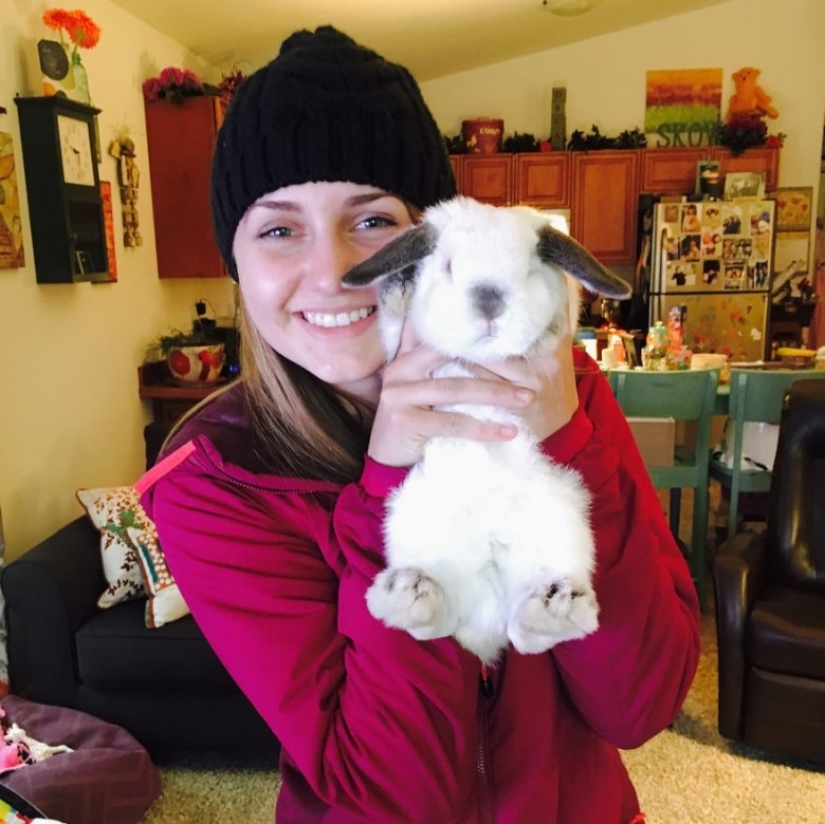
192, 357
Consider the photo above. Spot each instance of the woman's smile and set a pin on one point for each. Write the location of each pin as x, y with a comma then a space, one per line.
338, 319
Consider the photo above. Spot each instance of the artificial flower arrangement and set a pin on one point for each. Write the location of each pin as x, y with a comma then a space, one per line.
80, 28
743, 131
175, 85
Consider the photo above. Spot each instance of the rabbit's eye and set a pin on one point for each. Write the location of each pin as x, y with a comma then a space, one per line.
448, 269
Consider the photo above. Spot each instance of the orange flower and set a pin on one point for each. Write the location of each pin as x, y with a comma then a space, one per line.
82, 30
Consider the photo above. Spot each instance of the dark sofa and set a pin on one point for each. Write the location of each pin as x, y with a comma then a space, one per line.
165, 686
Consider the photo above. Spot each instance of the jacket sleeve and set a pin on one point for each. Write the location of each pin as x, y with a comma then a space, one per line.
376, 722
647, 644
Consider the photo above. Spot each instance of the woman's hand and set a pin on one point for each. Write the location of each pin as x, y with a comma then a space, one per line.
405, 419
551, 378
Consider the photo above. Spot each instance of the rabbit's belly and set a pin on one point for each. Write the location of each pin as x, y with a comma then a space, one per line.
481, 467
471, 505
429, 527
470, 518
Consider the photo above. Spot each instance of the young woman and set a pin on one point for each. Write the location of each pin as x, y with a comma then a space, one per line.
269, 501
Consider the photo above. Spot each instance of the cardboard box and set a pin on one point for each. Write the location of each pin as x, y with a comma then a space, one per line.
656, 439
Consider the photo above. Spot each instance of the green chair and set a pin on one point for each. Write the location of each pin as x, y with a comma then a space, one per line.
755, 395
684, 396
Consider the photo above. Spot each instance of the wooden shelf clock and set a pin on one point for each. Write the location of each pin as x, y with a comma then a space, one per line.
59, 157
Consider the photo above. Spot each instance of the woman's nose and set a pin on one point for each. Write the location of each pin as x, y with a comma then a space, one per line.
331, 259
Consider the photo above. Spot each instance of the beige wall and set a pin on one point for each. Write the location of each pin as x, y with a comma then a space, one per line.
605, 76
69, 411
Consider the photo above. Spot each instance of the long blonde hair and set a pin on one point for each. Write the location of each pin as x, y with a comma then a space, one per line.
301, 425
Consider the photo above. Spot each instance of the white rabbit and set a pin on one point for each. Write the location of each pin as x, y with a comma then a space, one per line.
488, 542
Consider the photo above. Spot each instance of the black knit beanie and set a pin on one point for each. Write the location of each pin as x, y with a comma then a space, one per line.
325, 109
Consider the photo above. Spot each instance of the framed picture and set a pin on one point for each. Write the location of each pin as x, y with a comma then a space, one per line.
744, 184
791, 260
109, 227
794, 207
12, 254
83, 262
707, 176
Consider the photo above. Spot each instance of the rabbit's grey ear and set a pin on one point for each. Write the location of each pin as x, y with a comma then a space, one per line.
557, 249
398, 259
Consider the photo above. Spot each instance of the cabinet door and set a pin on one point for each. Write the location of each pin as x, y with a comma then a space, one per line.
455, 164
488, 178
180, 140
671, 171
760, 159
604, 203
543, 180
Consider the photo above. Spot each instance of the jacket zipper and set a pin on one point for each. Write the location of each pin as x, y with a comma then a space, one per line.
486, 797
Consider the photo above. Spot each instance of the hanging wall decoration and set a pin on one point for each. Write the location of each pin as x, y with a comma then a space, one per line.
109, 227
123, 150
11, 226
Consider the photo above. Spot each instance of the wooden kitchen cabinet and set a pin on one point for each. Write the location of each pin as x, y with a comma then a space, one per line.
671, 171
543, 180
488, 178
600, 188
604, 203
180, 140
455, 165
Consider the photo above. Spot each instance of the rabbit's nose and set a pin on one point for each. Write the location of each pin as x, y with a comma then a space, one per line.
488, 300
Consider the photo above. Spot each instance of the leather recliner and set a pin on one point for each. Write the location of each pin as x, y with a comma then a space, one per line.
770, 598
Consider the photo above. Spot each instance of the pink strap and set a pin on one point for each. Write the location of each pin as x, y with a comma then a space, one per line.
162, 467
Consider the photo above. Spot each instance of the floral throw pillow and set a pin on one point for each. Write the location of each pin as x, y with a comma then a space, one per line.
113, 510
165, 602
133, 562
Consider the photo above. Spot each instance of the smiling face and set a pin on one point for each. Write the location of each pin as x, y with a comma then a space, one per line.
292, 248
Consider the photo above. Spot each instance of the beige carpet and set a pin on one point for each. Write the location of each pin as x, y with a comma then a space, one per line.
686, 775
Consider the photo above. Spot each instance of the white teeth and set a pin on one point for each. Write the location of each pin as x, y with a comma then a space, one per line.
340, 319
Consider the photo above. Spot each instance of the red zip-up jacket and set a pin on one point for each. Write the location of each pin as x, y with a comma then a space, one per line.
378, 727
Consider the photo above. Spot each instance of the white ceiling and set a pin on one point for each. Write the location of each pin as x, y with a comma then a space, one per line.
432, 38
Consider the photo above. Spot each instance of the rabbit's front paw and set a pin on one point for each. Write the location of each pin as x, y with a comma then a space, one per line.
561, 611
408, 599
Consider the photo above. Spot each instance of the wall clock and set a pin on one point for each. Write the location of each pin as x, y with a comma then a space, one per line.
65, 205
76, 150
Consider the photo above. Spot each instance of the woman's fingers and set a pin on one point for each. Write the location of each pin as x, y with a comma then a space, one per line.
429, 392
406, 418
415, 406
549, 373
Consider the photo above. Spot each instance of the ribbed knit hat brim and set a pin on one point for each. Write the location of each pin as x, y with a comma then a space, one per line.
325, 109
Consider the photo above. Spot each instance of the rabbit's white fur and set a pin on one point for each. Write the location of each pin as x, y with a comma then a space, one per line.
488, 542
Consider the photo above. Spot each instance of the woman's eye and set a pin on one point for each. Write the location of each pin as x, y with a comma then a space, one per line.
277, 231
376, 222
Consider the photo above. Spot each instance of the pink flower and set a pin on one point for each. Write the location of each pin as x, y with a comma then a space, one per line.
151, 88
173, 84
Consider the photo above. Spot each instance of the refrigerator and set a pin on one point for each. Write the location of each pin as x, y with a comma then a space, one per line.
710, 269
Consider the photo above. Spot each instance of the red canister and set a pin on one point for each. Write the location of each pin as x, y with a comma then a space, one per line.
482, 135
